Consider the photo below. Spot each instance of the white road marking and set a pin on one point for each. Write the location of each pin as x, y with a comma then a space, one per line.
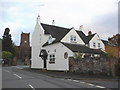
99, 86
6, 71
75, 80
82, 82
87, 83
17, 76
31, 86
90, 84
70, 79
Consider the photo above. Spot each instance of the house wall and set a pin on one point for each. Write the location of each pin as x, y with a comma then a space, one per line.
74, 33
38, 39
61, 63
96, 39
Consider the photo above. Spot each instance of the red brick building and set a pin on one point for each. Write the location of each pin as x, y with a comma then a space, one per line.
112, 46
25, 49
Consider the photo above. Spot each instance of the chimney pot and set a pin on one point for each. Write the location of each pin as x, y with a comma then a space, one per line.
89, 33
38, 19
81, 28
53, 23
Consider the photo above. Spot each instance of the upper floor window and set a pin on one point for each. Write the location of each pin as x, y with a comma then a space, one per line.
99, 45
94, 45
73, 38
50, 39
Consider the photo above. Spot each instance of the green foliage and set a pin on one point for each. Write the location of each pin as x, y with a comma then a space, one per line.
77, 55
7, 55
7, 44
109, 55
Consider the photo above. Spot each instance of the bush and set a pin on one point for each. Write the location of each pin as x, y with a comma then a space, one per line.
7, 56
77, 55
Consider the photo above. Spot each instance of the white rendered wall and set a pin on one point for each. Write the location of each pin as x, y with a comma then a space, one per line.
96, 39
74, 33
38, 39
61, 63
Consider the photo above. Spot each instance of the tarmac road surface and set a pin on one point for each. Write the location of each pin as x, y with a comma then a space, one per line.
15, 77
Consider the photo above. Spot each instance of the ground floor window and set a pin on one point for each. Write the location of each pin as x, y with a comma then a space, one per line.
52, 58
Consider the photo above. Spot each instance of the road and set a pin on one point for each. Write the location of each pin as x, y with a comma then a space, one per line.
15, 77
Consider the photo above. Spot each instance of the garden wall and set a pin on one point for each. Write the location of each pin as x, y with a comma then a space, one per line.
103, 66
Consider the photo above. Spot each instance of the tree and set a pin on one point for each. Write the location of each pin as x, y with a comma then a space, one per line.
7, 44
77, 55
7, 56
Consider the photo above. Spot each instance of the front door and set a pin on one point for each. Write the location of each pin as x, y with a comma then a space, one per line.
44, 55
45, 63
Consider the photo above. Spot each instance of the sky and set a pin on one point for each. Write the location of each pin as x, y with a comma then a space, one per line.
98, 16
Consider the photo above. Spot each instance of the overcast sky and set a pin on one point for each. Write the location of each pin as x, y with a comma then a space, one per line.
99, 16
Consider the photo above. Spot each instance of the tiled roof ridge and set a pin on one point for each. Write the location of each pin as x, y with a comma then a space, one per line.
56, 26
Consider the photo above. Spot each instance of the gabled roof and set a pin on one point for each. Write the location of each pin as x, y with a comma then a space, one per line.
89, 37
82, 48
82, 35
85, 38
55, 31
59, 32
105, 42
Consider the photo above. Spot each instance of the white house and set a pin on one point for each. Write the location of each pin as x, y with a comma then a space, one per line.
53, 45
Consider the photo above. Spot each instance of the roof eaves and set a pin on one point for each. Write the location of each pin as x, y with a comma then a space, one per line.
47, 44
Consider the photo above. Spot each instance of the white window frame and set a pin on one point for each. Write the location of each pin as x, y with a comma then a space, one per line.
73, 39
99, 45
52, 58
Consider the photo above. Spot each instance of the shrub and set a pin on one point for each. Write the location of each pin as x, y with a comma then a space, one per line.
7, 56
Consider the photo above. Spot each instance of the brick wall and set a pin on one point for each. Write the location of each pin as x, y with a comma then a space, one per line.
93, 66
113, 50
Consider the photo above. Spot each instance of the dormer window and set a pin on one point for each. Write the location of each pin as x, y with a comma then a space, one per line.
51, 39
73, 39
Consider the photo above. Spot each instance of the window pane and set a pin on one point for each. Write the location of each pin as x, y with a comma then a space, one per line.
94, 45
52, 58
98, 44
